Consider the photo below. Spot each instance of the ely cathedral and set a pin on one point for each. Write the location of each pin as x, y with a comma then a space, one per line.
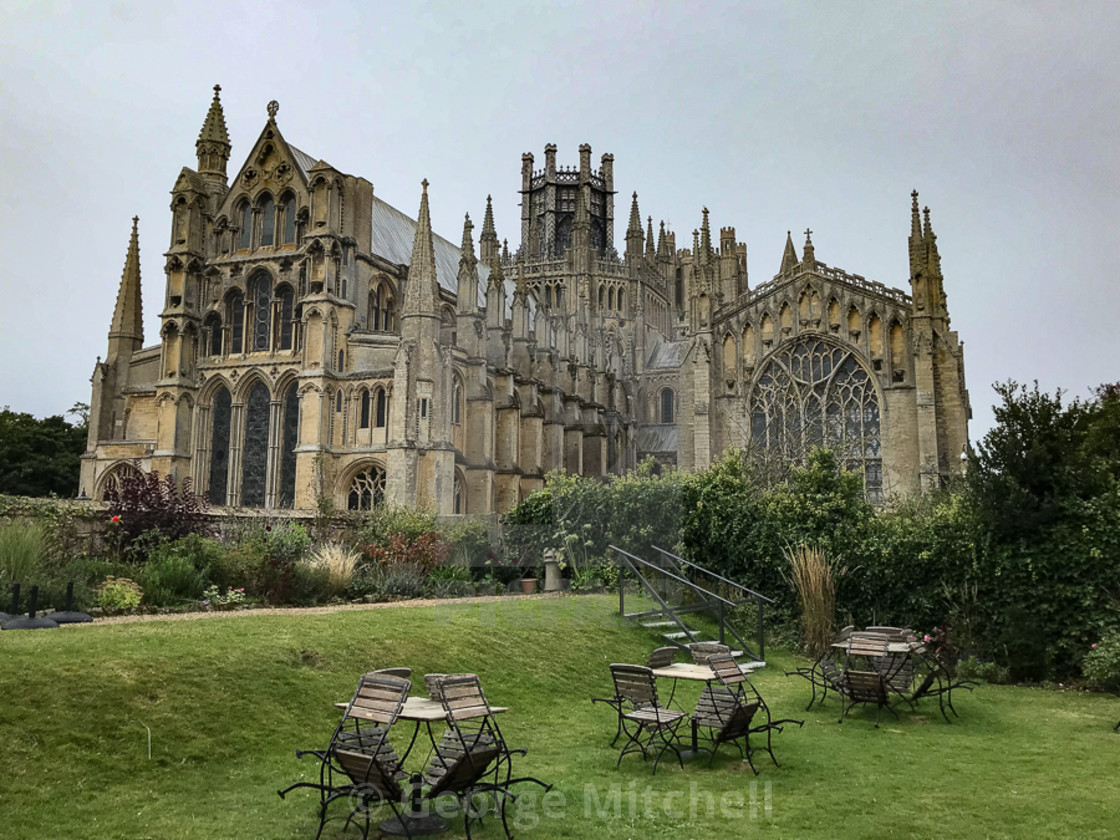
317, 343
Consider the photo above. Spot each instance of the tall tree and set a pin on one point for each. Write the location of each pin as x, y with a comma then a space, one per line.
39, 457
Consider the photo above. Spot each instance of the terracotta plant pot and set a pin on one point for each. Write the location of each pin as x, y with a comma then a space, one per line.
528, 585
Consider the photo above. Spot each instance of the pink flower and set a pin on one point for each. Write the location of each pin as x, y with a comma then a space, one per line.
1094, 647
926, 638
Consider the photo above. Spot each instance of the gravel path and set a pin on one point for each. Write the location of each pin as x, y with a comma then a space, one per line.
380, 605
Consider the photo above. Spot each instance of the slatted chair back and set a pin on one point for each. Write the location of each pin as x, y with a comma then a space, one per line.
399, 673
378, 699
634, 685
663, 657
867, 644
845, 633
462, 697
455, 769
702, 651
893, 634
433, 682
898, 672
370, 772
715, 706
865, 687
726, 671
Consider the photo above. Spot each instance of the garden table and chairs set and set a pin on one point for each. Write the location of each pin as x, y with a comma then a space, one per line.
881, 665
729, 710
469, 760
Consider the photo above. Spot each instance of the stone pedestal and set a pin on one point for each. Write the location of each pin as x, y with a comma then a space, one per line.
551, 571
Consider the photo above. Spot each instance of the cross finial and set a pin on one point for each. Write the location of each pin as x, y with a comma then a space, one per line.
424, 184
808, 233
217, 89
273, 109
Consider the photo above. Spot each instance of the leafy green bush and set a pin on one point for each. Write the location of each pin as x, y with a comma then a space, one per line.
1101, 666
403, 580
306, 585
383, 523
582, 517
21, 552
118, 594
470, 542
170, 577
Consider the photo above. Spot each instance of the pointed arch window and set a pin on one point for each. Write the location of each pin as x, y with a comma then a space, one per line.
460, 494
236, 304
367, 489
219, 446
289, 442
287, 327
260, 287
382, 418
268, 221
254, 452
381, 308
813, 394
245, 235
457, 402
289, 220
364, 412
668, 406
212, 330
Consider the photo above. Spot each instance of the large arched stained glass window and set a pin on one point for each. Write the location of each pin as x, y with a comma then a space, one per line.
289, 442
367, 489
254, 453
812, 393
219, 447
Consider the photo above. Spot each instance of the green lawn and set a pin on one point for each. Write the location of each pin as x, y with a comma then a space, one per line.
229, 699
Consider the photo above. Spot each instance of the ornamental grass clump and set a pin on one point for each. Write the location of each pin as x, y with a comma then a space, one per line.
811, 575
339, 563
21, 552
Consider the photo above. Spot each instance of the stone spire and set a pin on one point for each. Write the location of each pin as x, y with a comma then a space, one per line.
635, 225
705, 238
634, 245
649, 239
213, 145
422, 292
662, 242
126, 333
809, 255
789, 258
466, 290
488, 242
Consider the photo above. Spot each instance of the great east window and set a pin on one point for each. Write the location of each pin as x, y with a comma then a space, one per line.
811, 394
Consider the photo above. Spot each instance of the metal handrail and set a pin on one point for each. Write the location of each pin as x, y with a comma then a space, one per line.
710, 573
665, 608
670, 575
717, 601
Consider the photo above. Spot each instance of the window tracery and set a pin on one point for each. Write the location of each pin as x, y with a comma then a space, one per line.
811, 394
367, 489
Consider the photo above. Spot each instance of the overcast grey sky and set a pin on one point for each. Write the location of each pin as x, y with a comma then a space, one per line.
1005, 116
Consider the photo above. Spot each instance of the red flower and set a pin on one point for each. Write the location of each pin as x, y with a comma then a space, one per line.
116, 520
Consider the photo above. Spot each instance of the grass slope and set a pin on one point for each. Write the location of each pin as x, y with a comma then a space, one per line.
229, 699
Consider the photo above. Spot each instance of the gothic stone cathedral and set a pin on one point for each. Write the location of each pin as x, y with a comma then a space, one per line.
318, 343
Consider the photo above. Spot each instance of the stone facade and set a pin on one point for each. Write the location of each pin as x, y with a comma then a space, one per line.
319, 345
